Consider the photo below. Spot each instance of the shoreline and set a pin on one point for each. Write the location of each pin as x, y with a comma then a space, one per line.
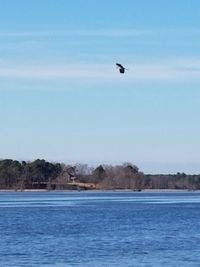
101, 190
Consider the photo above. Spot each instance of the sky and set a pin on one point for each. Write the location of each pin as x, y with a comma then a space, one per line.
62, 98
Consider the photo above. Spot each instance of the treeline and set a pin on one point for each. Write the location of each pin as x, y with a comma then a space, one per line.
41, 174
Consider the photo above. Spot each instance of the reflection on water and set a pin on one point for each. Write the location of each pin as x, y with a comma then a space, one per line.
37, 199
57, 229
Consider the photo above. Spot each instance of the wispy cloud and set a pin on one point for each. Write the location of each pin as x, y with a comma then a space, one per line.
167, 70
52, 72
112, 32
119, 32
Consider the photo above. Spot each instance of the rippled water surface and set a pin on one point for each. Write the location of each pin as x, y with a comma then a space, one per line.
99, 229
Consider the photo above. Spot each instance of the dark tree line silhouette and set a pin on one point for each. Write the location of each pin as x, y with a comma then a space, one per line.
41, 174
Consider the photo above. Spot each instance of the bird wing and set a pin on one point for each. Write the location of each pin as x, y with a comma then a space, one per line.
119, 65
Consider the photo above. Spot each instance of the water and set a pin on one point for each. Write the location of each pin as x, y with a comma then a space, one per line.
92, 229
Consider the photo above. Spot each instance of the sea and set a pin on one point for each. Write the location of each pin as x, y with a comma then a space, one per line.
95, 229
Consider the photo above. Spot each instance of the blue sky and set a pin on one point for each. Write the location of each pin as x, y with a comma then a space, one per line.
62, 99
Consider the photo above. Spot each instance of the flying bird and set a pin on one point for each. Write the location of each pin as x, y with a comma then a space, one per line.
121, 68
